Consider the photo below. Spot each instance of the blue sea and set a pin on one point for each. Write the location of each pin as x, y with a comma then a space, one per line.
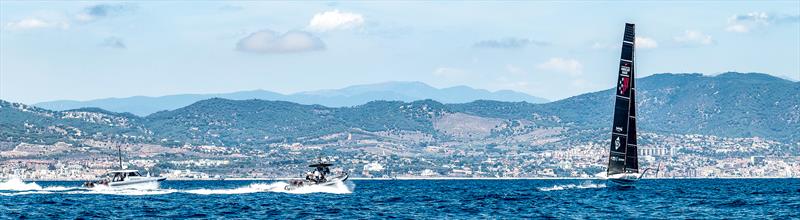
414, 199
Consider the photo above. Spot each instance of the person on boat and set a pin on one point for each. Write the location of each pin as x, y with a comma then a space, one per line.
322, 170
309, 176
317, 176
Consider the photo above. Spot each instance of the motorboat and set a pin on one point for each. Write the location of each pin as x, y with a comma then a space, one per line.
320, 176
125, 179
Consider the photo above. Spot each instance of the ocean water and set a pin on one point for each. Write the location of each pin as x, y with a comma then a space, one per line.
415, 199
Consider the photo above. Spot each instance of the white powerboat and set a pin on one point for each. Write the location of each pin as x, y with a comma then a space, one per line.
321, 176
125, 179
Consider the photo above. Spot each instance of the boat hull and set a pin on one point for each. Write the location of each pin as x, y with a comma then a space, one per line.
625, 179
137, 181
296, 184
143, 182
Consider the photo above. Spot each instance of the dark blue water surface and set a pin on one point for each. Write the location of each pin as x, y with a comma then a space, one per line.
419, 199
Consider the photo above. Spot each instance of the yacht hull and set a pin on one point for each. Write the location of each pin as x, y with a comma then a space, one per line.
625, 180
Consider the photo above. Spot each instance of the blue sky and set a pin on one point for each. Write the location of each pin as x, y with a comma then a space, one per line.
89, 50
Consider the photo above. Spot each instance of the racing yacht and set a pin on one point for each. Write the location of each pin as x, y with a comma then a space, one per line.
320, 176
623, 163
125, 179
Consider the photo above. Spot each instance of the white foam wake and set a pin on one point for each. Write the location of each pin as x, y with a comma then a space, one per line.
584, 185
16, 184
23, 188
20, 187
124, 192
252, 188
149, 188
338, 188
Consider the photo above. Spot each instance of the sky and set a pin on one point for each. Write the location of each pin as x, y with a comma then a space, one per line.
88, 50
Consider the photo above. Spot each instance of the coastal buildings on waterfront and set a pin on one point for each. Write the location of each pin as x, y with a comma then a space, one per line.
680, 156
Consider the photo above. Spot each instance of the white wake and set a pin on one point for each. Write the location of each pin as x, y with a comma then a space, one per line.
338, 188
16, 184
19, 187
141, 189
252, 188
584, 185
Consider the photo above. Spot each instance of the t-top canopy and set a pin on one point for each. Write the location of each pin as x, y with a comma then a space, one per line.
124, 171
320, 165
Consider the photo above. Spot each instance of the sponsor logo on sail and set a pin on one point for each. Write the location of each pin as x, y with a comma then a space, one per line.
624, 70
618, 129
624, 82
617, 145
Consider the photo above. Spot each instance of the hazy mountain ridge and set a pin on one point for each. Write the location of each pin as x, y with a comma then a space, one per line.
348, 96
728, 105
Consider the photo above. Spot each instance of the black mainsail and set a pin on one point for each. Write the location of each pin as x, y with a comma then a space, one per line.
623, 155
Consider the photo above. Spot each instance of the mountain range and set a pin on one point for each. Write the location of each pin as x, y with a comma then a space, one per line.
348, 96
728, 105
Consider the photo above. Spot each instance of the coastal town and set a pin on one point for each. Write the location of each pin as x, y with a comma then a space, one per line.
549, 156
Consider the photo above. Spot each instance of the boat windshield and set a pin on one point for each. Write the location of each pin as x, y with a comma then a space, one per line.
121, 176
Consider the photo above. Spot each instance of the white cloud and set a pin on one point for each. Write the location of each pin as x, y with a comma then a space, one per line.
335, 20
268, 41
645, 43
691, 37
63, 21
557, 64
35, 23
449, 72
744, 23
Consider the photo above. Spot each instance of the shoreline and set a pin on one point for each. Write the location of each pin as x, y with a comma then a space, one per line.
428, 178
